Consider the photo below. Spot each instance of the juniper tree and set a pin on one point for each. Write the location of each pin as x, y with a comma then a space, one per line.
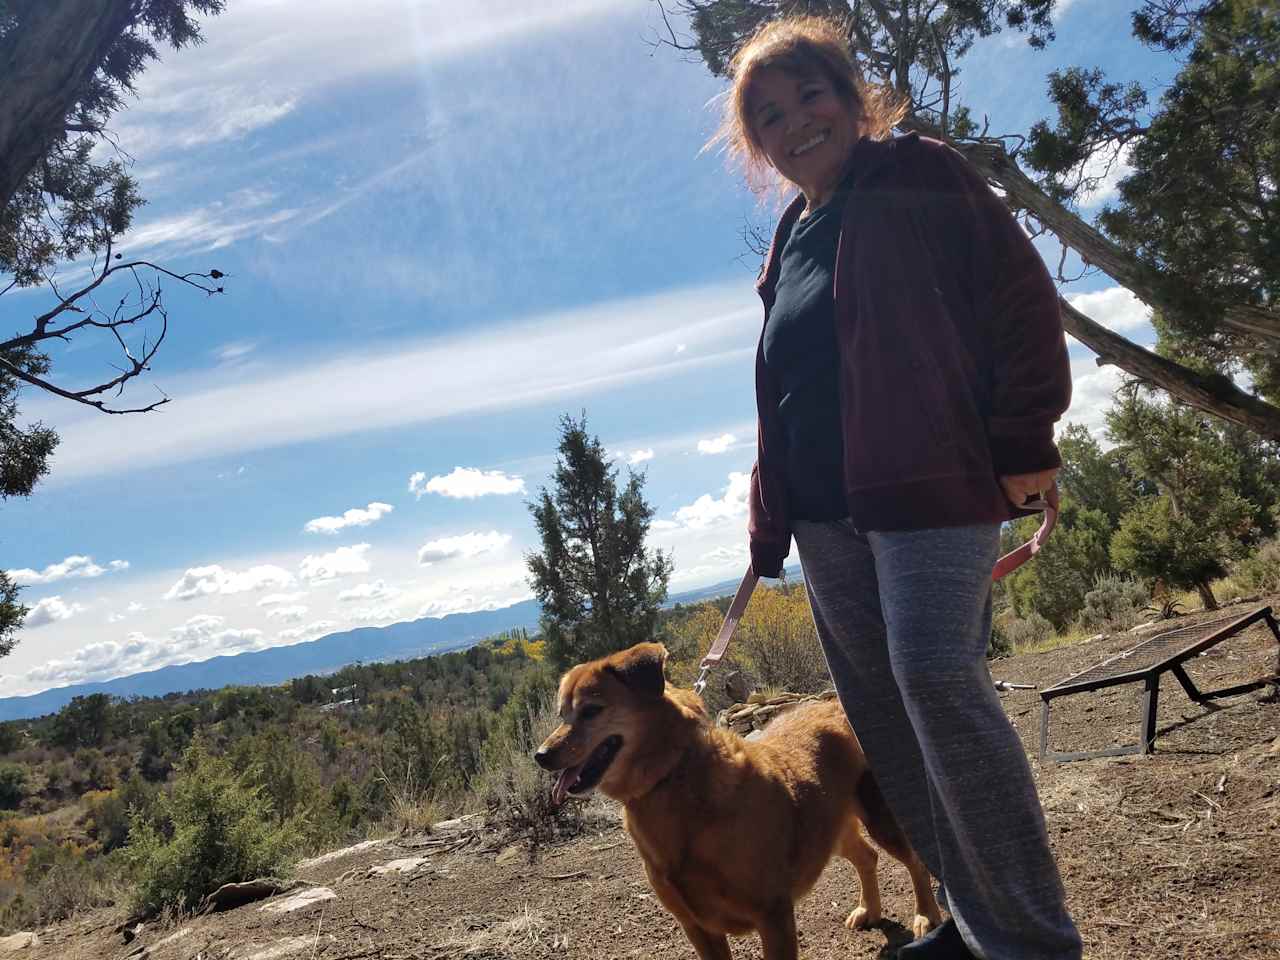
600, 587
1212, 138
1198, 519
66, 67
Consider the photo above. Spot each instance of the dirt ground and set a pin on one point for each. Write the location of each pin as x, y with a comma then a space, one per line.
1168, 855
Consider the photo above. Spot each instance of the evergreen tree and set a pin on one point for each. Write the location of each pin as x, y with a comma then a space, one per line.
599, 587
67, 67
1194, 232
1185, 534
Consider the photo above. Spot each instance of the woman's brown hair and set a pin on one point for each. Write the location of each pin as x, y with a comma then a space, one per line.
802, 46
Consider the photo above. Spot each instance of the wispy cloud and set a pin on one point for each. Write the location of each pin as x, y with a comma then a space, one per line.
368, 591
50, 610
466, 545
717, 444
340, 563
620, 342
74, 567
355, 517
215, 579
466, 483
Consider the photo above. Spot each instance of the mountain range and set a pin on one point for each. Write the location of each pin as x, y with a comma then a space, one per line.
397, 641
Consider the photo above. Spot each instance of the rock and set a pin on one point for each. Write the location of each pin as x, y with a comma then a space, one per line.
403, 865
339, 854
1097, 636
19, 941
303, 898
281, 948
232, 895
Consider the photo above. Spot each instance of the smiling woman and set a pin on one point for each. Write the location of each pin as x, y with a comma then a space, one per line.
908, 376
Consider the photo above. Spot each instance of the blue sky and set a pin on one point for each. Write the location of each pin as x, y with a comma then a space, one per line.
444, 225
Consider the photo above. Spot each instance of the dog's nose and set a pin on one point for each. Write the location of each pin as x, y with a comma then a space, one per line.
543, 758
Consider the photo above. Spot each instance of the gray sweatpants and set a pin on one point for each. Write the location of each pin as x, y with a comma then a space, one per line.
904, 619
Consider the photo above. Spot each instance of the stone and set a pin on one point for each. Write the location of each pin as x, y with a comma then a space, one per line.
403, 865
19, 941
303, 898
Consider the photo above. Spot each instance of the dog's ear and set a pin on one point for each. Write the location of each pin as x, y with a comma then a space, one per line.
640, 668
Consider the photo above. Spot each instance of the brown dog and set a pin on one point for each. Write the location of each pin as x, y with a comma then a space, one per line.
732, 832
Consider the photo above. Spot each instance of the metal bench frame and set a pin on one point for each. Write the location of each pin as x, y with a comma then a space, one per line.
1119, 670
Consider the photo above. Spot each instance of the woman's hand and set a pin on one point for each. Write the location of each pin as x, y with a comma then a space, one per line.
1018, 487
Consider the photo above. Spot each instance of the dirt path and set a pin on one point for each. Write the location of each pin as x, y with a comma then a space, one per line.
1170, 855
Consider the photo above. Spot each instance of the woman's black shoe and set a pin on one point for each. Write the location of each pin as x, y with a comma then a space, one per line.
940, 943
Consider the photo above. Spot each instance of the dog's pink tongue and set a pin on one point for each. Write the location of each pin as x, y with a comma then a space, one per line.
564, 782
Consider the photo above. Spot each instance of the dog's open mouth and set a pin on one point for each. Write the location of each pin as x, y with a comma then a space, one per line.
580, 780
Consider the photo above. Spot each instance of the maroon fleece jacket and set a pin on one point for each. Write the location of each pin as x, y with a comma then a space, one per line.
953, 362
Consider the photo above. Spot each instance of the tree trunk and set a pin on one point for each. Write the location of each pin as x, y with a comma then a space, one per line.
45, 63
1214, 394
1206, 595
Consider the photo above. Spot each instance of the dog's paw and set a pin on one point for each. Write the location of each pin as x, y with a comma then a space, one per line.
861, 919
920, 925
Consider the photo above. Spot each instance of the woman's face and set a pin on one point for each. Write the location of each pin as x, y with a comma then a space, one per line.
806, 129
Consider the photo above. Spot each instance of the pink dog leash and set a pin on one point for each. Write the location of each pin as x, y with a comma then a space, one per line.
1010, 562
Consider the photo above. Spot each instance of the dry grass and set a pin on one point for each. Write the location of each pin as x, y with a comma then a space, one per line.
412, 809
489, 936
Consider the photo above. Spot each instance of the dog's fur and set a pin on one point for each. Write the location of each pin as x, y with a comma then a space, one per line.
732, 832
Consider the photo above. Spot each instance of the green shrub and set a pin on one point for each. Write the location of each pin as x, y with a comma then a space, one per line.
13, 781
213, 829
1116, 602
1029, 631
999, 644
1260, 571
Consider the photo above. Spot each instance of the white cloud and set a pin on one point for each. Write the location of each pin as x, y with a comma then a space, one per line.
50, 610
459, 603
1092, 388
287, 614
340, 563
274, 598
721, 555
128, 611
543, 360
355, 517
706, 511
368, 591
383, 614
236, 350
73, 567
1110, 169
312, 631
467, 545
717, 444
199, 638
214, 579
1115, 308
639, 456
466, 483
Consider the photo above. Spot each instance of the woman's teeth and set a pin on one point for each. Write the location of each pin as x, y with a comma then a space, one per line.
809, 145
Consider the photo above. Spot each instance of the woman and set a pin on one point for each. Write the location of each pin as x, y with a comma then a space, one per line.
910, 371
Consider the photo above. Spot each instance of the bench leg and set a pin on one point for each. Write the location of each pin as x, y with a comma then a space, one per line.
1150, 700
1044, 728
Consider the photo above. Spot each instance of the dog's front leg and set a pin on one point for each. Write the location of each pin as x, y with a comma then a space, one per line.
710, 946
778, 933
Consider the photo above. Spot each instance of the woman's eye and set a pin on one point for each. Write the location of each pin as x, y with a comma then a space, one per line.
589, 711
811, 94
769, 120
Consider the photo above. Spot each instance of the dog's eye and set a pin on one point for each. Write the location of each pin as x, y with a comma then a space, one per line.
589, 711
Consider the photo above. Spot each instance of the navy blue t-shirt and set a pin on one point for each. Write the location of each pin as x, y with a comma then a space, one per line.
802, 357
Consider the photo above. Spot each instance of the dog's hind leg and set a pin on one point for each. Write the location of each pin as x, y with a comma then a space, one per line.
885, 831
854, 848
708, 945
